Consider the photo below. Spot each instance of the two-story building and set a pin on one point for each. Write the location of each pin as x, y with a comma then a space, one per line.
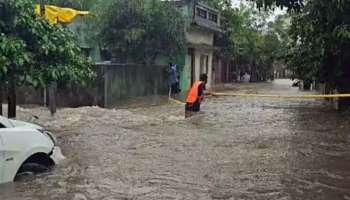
203, 23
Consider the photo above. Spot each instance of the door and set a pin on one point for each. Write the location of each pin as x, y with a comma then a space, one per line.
204, 64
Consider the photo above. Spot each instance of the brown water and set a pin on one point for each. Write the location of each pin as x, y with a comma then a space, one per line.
239, 148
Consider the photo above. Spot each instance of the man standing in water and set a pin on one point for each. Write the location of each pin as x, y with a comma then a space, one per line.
174, 78
196, 96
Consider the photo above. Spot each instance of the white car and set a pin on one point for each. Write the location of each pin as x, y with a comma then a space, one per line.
25, 147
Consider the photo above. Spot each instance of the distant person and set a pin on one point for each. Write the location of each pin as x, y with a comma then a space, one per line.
196, 96
174, 80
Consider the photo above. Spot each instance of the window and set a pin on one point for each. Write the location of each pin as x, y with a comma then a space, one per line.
201, 13
213, 17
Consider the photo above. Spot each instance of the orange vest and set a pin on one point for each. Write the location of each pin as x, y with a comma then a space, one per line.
193, 94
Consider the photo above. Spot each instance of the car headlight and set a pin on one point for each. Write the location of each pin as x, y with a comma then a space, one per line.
49, 135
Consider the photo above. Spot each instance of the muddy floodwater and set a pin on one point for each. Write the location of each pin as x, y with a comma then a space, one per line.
238, 148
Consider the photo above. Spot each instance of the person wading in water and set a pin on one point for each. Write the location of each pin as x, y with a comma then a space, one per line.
196, 96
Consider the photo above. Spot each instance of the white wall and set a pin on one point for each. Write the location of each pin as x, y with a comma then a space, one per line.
197, 63
198, 53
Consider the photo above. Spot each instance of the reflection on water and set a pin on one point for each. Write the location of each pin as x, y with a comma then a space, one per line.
240, 148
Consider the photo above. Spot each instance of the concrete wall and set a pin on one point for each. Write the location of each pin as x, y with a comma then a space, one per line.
197, 36
67, 96
124, 82
185, 77
115, 85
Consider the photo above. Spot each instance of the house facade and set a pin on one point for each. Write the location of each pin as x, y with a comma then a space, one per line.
203, 24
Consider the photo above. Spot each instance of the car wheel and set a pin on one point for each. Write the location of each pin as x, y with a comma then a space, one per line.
38, 163
28, 171
34, 168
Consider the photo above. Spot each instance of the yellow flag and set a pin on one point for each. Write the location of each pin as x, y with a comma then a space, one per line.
56, 14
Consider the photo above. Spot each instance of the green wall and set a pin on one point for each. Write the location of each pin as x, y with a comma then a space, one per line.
125, 82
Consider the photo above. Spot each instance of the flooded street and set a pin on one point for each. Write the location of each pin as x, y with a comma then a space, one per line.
239, 148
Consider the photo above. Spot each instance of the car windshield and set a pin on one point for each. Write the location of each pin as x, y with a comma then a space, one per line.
2, 126
5, 123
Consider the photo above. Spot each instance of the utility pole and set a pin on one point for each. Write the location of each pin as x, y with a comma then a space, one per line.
52, 97
53, 84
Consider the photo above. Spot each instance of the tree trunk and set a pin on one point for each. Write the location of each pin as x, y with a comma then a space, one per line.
11, 99
42, 8
52, 97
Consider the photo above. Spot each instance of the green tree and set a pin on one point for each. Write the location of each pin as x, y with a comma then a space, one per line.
321, 42
76, 4
290, 4
141, 31
33, 52
219, 4
321, 48
250, 39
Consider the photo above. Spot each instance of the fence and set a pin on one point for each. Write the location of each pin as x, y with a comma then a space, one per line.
125, 82
114, 85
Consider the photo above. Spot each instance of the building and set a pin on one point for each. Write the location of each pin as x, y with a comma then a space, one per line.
203, 24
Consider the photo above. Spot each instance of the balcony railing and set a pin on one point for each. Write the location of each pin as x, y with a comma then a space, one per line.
207, 17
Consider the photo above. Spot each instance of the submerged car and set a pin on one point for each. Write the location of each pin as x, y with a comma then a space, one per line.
25, 148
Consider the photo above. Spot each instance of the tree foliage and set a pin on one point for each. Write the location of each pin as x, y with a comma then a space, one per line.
251, 40
290, 4
34, 52
321, 48
219, 4
76, 4
321, 42
141, 31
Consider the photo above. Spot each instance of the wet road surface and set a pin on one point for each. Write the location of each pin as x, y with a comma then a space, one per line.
239, 148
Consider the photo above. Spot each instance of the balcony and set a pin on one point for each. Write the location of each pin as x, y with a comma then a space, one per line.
207, 17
